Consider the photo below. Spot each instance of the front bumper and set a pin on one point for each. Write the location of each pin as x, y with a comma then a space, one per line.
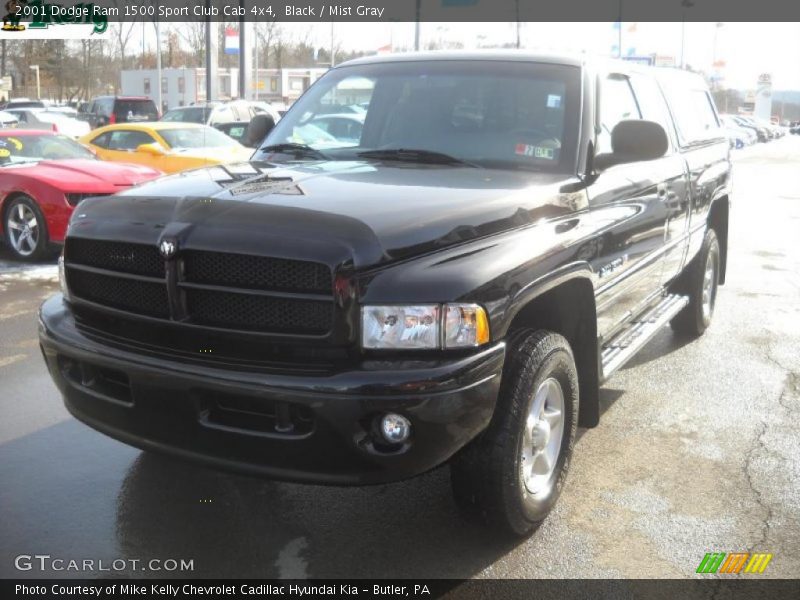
221, 417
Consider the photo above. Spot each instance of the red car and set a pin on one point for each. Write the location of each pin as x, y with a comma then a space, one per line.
43, 176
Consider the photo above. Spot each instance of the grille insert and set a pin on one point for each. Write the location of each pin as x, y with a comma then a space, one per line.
261, 313
139, 259
141, 297
256, 272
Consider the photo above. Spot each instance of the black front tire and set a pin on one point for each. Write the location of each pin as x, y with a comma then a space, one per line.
488, 476
700, 282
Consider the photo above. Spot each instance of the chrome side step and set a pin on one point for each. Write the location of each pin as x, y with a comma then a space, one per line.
638, 332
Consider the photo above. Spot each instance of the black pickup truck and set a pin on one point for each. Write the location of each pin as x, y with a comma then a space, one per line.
454, 286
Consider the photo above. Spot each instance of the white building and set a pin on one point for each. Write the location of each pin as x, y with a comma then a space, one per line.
187, 86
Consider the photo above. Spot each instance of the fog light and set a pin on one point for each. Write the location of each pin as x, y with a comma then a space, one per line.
395, 428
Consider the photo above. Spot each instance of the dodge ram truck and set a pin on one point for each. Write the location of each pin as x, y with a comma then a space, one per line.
451, 283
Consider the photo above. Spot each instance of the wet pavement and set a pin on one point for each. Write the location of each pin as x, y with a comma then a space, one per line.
698, 450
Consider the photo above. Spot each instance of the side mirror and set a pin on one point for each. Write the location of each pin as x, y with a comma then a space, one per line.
257, 130
633, 141
153, 149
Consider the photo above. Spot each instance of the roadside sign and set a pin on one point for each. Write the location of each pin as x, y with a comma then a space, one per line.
6, 85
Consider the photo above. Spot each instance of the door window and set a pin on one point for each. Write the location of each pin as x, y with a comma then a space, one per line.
617, 103
128, 140
695, 117
652, 104
101, 141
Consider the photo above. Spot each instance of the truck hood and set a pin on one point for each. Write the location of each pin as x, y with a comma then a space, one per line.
360, 212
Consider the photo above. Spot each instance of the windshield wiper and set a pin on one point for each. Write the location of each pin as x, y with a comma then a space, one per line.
415, 155
294, 149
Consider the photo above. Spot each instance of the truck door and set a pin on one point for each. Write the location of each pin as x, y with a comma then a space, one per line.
706, 153
674, 193
632, 199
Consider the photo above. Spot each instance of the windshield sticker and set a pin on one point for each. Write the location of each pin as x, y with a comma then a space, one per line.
534, 151
553, 101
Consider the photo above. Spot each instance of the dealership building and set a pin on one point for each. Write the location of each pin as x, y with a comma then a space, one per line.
187, 86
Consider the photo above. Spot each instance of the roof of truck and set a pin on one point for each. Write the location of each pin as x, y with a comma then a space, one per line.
504, 55
601, 63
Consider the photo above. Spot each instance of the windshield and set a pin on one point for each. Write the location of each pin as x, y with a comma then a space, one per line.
502, 114
196, 137
195, 114
31, 148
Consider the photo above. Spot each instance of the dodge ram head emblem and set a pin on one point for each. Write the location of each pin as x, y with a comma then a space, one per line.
167, 248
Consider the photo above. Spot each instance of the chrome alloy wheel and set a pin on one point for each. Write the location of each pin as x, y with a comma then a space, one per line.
709, 286
23, 229
544, 432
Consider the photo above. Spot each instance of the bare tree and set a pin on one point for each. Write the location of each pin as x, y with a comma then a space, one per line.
267, 34
193, 34
122, 32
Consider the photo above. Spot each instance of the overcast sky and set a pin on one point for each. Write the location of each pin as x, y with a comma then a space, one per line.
748, 49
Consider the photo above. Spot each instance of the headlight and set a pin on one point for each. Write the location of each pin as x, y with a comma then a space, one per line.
401, 327
465, 326
424, 327
62, 277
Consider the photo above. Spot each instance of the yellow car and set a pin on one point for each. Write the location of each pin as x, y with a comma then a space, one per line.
168, 147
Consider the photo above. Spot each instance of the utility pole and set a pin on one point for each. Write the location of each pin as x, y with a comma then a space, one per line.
516, 4
243, 74
255, 58
685, 4
158, 66
333, 50
212, 54
416, 24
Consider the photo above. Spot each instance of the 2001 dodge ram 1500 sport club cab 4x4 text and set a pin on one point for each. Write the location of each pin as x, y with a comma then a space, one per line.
447, 275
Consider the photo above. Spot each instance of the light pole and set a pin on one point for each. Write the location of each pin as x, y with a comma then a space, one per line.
158, 66
38, 83
684, 4
714, 72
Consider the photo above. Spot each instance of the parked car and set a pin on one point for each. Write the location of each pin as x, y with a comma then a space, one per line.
47, 119
218, 113
740, 136
24, 103
211, 113
8, 119
264, 108
455, 286
108, 110
43, 176
237, 131
169, 147
249, 134
344, 127
70, 111
761, 132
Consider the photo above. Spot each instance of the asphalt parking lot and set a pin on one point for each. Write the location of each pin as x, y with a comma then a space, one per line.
698, 450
